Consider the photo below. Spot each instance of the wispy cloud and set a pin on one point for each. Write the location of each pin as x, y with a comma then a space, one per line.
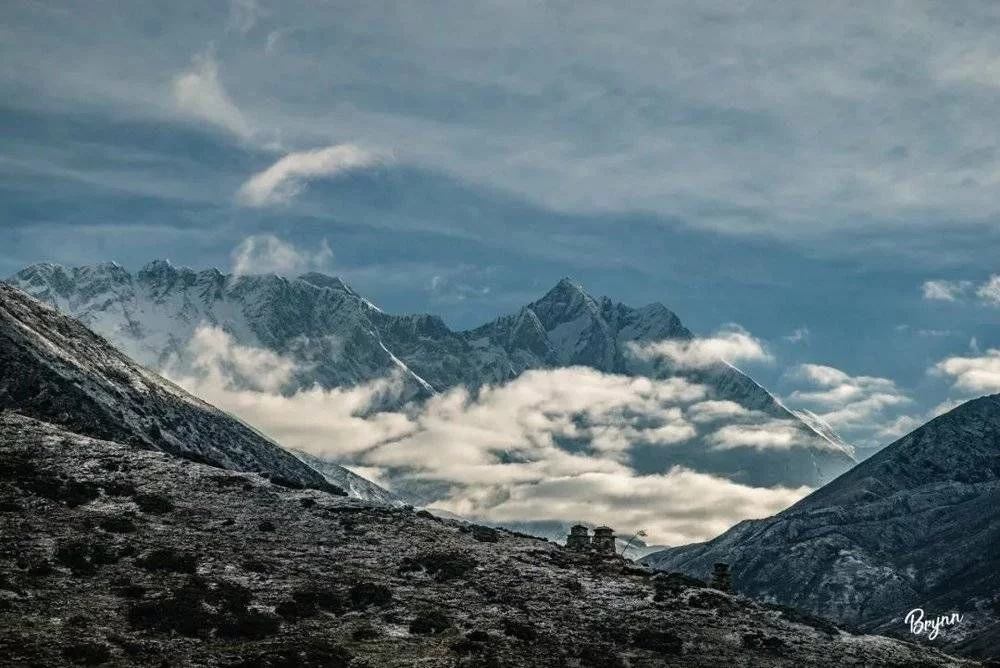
199, 93
987, 292
859, 406
731, 345
799, 335
266, 253
287, 177
977, 374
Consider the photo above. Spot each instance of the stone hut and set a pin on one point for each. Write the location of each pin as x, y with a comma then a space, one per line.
604, 540
578, 538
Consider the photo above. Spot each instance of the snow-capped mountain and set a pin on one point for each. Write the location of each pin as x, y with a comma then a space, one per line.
915, 525
57, 370
340, 339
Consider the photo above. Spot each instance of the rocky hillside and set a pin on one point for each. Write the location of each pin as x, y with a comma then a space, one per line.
55, 369
118, 555
338, 339
916, 525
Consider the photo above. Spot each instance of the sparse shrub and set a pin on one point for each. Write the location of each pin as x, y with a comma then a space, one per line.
292, 610
78, 556
518, 629
118, 524
442, 566
427, 515
430, 622
267, 526
365, 594
132, 591
42, 568
485, 534
307, 502
658, 640
253, 624
282, 481
478, 635
154, 504
710, 600
312, 653
668, 585
257, 565
119, 487
87, 653
225, 481
797, 616
365, 632
759, 641
600, 656
169, 559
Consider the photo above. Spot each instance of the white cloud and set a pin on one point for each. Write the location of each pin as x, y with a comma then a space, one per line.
774, 435
973, 374
499, 455
266, 253
287, 177
243, 15
798, 336
714, 409
730, 345
199, 93
989, 292
948, 291
860, 406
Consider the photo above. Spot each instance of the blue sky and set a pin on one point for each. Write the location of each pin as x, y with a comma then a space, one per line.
789, 167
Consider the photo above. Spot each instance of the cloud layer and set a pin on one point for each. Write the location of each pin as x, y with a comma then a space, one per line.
979, 374
199, 93
732, 345
549, 445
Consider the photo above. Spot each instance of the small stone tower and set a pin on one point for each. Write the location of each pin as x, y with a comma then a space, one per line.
604, 540
720, 577
578, 538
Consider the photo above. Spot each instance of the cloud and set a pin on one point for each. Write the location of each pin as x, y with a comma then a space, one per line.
858, 406
732, 345
199, 93
773, 435
266, 253
243, 15
798, 336
551, 444
287, 177
948, 291
989, 292
980, 374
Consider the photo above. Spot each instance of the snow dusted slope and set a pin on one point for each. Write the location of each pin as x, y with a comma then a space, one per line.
228, 570
915, 525
55, 369
340, 339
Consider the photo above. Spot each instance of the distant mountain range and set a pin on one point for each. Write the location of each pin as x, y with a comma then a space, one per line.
56, 370
340, 339
915, 525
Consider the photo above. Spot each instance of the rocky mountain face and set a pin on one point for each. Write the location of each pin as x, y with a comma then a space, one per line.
118, 555
55, 369
915, 526
339, 339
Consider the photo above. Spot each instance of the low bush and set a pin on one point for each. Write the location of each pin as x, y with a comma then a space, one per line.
442, 566
366, 594
658, 641
87, 653
169, 559
518, 629
118, 524
154, 504
430, 622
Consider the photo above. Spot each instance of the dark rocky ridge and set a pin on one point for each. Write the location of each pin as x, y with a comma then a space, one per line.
55, 369
115, 555
916, 525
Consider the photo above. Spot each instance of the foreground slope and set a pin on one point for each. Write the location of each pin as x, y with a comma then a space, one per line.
340, 339
55, 369
916, 525
122, 556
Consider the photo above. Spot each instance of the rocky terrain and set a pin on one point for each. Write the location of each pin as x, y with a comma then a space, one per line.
55, 369
118, 555
339, 339
916, 525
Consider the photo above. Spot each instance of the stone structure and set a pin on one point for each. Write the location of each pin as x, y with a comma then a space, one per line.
604, 540
578, 538
720, 577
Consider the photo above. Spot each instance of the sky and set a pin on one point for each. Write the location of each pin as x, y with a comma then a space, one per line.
821, 177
